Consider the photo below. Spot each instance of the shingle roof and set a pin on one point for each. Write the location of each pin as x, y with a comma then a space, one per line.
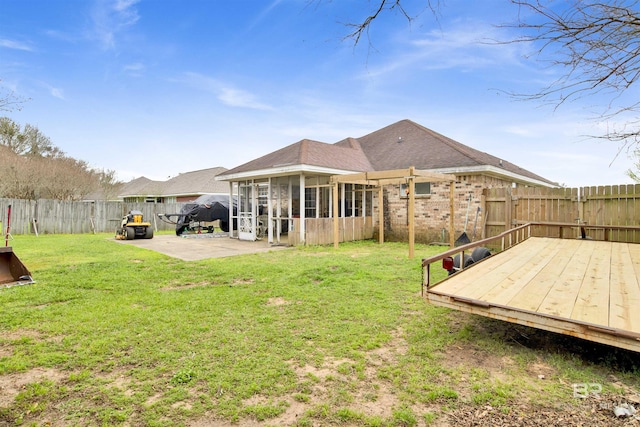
188, 183
196, 182
397, 146
142, 186
406, 143
311, 153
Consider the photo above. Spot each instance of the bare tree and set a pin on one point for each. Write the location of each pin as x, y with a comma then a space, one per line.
109, 185
634, 173
382, 7
596, 44
9, 101
33, 167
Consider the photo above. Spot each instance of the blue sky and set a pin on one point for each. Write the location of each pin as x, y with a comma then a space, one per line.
158, 87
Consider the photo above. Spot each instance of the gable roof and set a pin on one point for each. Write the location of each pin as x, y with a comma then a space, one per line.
397, 146
196, 182
407, 143
188, 184
142, 186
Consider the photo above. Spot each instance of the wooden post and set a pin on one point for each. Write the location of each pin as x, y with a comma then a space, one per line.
410, 213
381, 214
336, 228
508, 209
452, 211
302, 210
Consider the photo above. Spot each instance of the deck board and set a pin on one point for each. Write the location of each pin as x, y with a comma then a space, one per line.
583, 288
592, 303
625, 290
481, 281
561, 302
518, 280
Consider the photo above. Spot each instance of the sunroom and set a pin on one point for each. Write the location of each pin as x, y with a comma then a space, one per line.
299, 209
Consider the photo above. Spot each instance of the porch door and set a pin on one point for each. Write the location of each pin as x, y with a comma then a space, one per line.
279, 202
247, 211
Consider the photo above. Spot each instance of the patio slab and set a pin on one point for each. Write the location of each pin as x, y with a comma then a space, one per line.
203, 246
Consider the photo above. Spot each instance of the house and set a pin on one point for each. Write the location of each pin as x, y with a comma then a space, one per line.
185, 187
289, 191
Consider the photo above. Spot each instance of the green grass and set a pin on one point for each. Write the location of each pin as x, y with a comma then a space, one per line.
127, 336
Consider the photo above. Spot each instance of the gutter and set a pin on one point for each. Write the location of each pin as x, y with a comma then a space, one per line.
495, 171
282, 170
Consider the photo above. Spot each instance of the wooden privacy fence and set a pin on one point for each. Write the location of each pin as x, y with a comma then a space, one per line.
45, 216
613, 205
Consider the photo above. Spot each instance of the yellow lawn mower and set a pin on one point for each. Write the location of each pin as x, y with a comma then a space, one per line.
132, 227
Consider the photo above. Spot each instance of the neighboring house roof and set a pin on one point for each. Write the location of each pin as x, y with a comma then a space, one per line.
140, 187
397, 146
185, 184
196, 182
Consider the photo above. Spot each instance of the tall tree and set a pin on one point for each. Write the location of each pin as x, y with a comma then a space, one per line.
26, 141
33, 168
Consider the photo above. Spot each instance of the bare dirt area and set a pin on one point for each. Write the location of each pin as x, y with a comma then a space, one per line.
376, 397
332, 384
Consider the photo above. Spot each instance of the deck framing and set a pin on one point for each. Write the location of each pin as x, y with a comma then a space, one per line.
579, 287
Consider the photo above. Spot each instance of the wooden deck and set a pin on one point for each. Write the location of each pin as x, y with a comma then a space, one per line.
584, 288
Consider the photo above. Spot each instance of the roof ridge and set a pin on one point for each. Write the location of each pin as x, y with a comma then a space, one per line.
461, 148
304, 150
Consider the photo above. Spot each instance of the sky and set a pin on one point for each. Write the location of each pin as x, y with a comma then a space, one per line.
156, 88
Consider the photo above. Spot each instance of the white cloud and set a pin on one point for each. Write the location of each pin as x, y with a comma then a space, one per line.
13, 44
225, 92
465, 45
240, 98
136, 69
264, 13
57, 93
112, 17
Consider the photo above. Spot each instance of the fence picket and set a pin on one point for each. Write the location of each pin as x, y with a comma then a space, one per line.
64, 217
504, 208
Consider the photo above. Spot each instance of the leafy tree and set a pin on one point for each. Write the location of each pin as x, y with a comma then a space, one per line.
26, 141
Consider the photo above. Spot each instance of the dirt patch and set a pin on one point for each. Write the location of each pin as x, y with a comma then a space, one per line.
187, 286
12, 384
243, 282
277, 301
20, 334
358, 386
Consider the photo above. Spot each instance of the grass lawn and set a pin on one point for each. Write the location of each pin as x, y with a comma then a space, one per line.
112, 334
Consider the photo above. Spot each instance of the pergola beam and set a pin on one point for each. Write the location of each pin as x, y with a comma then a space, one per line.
409, 176
397, 175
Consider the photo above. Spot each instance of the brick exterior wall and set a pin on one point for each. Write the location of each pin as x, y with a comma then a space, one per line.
432, 212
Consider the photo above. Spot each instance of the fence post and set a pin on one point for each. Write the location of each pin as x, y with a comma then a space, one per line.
508, 209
